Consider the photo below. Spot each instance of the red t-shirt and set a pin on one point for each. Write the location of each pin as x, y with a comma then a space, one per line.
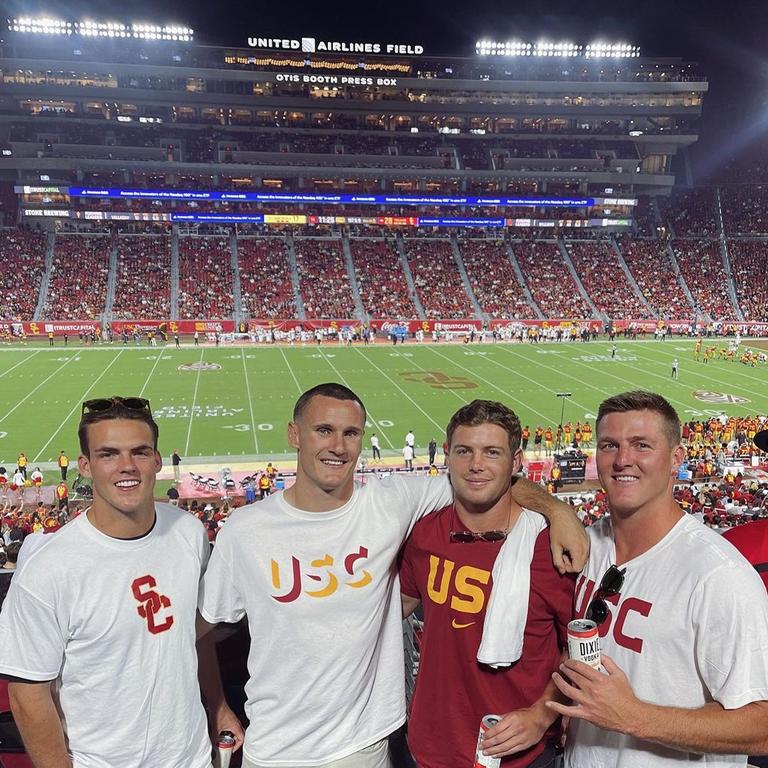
453, 691
751, 539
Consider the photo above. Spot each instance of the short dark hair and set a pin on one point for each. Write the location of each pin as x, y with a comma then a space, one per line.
117, 411
330, 389
639, 400
12, 551
480, 412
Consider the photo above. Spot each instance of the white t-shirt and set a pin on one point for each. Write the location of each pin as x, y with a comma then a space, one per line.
322, 597
690, 627
127, 684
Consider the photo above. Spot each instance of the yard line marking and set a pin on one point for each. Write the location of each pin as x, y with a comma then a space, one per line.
605, 373
250, 401
32, 391
384, 373
496, 386
77, 405
194, 400
290, 369
700, 372
159, 358
26, 359
369, 414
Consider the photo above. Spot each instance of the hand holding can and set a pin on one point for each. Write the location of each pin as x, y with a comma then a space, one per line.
225, 745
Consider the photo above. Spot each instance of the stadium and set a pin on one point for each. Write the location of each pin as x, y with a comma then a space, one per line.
219, 228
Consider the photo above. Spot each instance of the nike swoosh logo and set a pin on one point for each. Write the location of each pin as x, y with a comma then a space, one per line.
455, 624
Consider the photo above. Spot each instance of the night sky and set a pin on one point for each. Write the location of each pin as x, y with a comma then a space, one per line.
728, 39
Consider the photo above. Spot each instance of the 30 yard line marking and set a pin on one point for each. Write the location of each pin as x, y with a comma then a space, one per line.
344, 381
384, 373
250, 401
194, 400
77, 405
32, 391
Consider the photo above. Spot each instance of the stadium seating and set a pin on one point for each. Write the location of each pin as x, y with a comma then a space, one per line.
605, 281
701, 266
649, 263
265, 278
690, 212
749, 266
437, 279
493, 280
205, 278
78, 280
383, 289
23, 255
143, 286
745, 209
323, 278
548, 279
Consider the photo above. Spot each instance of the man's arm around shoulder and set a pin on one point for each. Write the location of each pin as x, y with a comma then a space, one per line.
568, 539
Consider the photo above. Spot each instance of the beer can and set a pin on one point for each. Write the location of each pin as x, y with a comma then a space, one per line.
584, 642
225, 745
481, 760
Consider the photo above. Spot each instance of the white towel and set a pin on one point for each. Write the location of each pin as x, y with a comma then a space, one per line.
507, 611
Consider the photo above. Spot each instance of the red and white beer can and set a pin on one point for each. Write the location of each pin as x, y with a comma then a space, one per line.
225, 745
584, 642
481, 760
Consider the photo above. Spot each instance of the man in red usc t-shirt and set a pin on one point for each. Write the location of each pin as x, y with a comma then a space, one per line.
452, 579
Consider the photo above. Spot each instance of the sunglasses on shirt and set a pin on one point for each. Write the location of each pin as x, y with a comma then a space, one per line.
610, 585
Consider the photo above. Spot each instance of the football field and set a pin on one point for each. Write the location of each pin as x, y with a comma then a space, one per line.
236, 401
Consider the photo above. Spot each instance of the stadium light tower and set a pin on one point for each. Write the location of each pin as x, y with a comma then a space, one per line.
564, 396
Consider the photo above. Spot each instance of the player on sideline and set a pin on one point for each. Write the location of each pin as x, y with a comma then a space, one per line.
97, 634
316, 578
683, 618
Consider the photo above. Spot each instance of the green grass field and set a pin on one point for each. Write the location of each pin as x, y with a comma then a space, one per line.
239, 403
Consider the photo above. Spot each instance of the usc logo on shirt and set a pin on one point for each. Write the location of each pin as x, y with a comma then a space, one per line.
621, 608
152, 603
465, 585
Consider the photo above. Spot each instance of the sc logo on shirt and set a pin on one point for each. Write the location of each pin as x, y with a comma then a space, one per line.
151, 604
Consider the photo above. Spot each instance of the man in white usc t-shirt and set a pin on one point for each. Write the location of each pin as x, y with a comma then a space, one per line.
316, 576
97, 635
683, 618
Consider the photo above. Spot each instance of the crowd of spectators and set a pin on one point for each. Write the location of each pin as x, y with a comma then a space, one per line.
77, 287
745, 209
749, 267
650, 265
323, 278
205, 278
645, 215
701, 265
265, 278
437, 279
143, 284
23, 254
600, 272
494, 281
690, 212
551, 284
383, 288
